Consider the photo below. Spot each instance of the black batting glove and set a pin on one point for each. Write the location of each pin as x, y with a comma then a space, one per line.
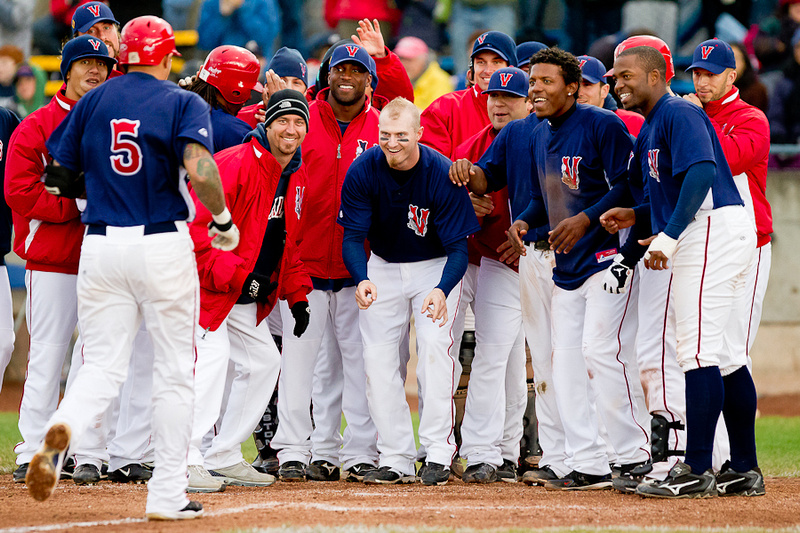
63, 182
301, 314
258, 287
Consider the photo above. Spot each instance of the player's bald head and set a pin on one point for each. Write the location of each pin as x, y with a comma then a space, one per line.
648, 59
400, 107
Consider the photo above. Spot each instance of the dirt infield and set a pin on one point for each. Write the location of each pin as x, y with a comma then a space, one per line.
111, 507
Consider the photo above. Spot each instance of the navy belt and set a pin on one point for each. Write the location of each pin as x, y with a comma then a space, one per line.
149, 229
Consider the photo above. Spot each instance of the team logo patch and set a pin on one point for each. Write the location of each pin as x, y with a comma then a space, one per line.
630, 160
285, 104
652, 162
298, 200
482, 38
351, 49
706, 51
277, 208
505, 77
362, 145
582, 62
94, 10
605, 255
569, 171
203, 132
95, 44
418, 219
303, 69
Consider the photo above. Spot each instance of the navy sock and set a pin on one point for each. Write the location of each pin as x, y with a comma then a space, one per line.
704, 400
739, 410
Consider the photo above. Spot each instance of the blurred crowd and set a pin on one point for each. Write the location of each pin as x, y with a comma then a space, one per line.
432, 38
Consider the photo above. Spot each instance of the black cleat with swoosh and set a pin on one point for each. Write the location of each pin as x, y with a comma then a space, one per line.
681, 483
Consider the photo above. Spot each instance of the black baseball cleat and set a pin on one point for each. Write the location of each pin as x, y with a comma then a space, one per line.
507, 472
480, 473
434, 474
131, 473
19, 473
629, 476
579, 481
69, 468
733, 483
357, 472
681, 483
539, 476
45, 467
86, 474
386, 475
270, 465
322, 471
292, 471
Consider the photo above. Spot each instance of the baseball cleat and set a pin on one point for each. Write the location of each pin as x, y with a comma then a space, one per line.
357, 472
322, 471
131, 473
201, 481
86, 474
242, 474
292, 471
539, 476
267, 466
629, 476
45, 467
68, 468
19, 473
733, 483
434, 474
681, 483
507, 472
480, 473
579, 481
386, 475
192, 510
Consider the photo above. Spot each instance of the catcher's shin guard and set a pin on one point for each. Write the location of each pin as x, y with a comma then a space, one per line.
659, 437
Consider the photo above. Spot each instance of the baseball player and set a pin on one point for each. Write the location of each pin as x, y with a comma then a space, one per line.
697, 213
497, 394
97, 19
399, 198
48, 235
8, 123
136, 259
595, 91
525, 51
264, 183
343, 125
580, 155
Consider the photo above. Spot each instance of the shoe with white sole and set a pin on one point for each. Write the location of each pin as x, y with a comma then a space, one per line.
192, 510
44, 469
243, 474
201, 481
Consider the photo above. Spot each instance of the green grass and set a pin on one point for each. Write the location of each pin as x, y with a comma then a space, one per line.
777, 438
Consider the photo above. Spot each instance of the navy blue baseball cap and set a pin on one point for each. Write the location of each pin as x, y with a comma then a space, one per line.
82, 47
289, 62
350, 52
497, 42
89, 14
526, 50
592, 69
373, 71
508, 80
713, 55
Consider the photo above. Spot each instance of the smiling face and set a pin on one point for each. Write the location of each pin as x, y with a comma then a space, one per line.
632, 85
593, 93
550, 95
107, 32
711, 87
348, 81
505, 107
399, 140
483, 65
286, 133
84, 75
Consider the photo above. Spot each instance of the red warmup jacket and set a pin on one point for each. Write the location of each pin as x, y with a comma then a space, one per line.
453, 118
393, 81
743, 131
492, 234
47, 229
383, 10
249, 175
327, 157
633, 121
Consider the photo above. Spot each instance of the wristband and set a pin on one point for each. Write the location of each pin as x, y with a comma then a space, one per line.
664, 244
223, 221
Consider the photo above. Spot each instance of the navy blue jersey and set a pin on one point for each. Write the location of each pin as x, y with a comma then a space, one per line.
676, 135
128, 136
575, 167
8, 123
228, 129
505, 165
409, 222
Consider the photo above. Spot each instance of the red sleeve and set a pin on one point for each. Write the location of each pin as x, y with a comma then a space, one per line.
393, 80
436, 127
745, 143
295, 282
24, 190
248, 114
330, 18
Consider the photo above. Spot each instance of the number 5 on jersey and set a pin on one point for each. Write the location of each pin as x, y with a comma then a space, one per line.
124, 133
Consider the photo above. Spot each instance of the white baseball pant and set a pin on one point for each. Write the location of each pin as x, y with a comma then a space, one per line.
401, 290
293, 437
126, 276
6, 322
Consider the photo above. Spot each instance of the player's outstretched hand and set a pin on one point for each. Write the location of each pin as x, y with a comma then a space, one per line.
617, 218
659, 252
223, 232
435, 306
461, 171
370, 37
272, 84
185, 83
515, 233
617, 277
482, 204
366, 293
508, 254
569, 231
302, 315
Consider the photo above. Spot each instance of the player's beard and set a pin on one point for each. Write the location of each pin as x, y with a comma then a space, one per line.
356, 98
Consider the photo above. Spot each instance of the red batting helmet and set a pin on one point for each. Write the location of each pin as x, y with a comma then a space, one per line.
652, 42
145, 41
233, 70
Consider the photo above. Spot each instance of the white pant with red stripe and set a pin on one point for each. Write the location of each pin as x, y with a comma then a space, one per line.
401, 289
6, 322
593, 333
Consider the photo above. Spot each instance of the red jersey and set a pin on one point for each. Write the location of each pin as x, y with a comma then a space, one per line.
633, 121
453, 118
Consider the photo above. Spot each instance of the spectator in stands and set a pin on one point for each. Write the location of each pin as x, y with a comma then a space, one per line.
16, 18
242, 23
29, 86
344, 15
177, 12
467, 16
784, 107
10, 58
422, 18
772, 44
751, 90
53, 29
429, 80
125, 10
291, 25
